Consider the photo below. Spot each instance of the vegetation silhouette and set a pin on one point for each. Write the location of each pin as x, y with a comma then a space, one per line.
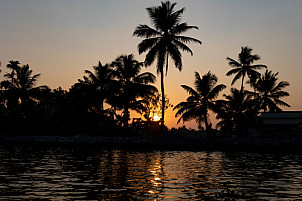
164, 40
236, 111
102, 81
243, 67
19, 97
100, 103
133, 86
269, 92
27, 109
200, 100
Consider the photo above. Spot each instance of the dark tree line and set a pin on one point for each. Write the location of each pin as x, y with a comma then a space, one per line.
100, 102
27, 109
240, 108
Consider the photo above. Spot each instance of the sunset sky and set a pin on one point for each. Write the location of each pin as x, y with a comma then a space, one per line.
62, 38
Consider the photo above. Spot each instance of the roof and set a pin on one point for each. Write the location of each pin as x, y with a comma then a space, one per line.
282, 118
282, 115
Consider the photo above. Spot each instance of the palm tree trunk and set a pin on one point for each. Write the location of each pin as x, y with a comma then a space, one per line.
242, 83
163, 94
206, 122
162, 99
126, 117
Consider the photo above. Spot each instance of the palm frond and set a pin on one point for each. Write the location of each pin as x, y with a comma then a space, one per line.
237, 76
279, 94
190, 90
233, 71
186, 39
281, 103
151, 55
233, 63
181, 28
280, 86
258, 66
145, 31
145, 78
147, 44
185, 105
91, 76
175, 54
215, 91
182, 46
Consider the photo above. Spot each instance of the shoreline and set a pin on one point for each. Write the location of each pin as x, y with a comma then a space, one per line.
253, 144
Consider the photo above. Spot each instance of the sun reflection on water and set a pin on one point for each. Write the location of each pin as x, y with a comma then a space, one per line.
158, 175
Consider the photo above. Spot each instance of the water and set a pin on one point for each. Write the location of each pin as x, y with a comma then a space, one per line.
95, 174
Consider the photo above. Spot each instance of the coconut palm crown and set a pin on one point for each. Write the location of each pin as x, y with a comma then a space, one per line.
236, 111
244, 66
102, 80
164, 40
201, 99
20, 84
270, 92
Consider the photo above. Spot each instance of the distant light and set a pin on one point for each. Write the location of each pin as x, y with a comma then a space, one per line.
156, 118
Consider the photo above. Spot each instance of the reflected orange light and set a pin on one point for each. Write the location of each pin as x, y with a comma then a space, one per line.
150, 191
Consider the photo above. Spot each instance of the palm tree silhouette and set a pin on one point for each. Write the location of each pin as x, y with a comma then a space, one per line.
22, 99
132, 85
101, 80
236, 111
200, 100
269, 92
244, 66
164, 40
21, 81
14, 66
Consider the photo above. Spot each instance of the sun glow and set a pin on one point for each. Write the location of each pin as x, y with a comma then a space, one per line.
156, 118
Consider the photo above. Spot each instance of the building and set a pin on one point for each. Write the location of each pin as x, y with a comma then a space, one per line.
286, 122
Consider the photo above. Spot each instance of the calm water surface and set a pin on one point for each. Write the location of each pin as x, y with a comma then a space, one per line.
96, 174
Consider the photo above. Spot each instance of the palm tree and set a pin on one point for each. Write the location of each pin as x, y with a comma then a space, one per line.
244, 66
14, 66
21, 81
132, 85
23, 100
236, 111
101, 80
200, 100
164, 40
269, 92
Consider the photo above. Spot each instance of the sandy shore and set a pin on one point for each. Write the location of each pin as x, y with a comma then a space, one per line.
284, 144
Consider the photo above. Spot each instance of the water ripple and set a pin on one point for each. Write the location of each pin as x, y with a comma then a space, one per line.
95, 174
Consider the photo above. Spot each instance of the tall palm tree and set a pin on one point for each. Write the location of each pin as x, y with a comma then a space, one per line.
200, 100
101, 80
269, 92
244, 66
164, 40
132, 85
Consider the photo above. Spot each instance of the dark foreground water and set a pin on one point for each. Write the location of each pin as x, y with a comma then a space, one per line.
96, 174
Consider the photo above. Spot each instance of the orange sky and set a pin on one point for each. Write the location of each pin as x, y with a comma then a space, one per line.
60, 39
